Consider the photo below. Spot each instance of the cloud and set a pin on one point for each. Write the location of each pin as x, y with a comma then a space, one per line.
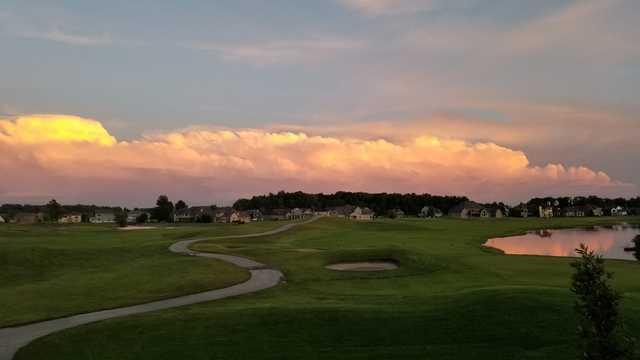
387, 7
221, 164
60, 36
280, 52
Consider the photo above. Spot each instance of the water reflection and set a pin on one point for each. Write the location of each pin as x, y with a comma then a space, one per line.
609, 241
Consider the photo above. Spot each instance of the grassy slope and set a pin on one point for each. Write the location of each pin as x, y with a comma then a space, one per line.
451, 299
49, 271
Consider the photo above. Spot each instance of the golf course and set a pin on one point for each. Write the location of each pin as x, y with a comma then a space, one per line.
449, 298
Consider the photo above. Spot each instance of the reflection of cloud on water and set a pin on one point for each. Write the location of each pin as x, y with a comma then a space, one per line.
609, 243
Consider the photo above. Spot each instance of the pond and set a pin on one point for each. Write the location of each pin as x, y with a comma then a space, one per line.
608, 241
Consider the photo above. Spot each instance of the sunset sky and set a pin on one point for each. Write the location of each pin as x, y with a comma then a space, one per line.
116, 102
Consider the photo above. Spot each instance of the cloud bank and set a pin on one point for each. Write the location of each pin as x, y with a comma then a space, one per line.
76, 159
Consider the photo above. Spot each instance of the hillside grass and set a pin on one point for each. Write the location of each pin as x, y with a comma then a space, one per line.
452, 298
49, 271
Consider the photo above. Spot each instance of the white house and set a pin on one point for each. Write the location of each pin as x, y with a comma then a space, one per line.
71, 218
2, 220
618, 211
362, 214
103, 217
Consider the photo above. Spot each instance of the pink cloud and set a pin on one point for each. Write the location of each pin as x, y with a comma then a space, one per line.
81, 161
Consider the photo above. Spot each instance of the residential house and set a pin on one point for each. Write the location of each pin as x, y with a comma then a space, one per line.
2, 220
469, 209
103, 217
496, 212
362, 214
239, 217
430, 212
256, 215
591, 210
222, 214
28, 218
545, 212
342, 211
134, 216
195, 214
398, 213
323, 213
574, 211
70, 218
619, 211
521, 211
299, 214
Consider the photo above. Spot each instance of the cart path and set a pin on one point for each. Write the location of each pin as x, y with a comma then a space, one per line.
262, 277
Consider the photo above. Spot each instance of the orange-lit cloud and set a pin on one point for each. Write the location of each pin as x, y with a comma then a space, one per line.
76, 158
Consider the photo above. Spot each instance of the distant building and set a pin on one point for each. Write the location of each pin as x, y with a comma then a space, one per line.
397, 213
430, 212
618, 211
239, 217
469, 209
496, 212
299, 214
2, 220
521, 211
545, 212
103, 217
362, 214
342, 211
591, 210
194, 214
256, 215
135, 215
28, 218
70, 218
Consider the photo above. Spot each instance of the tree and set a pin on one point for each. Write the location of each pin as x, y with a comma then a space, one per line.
636, 249
142, 218
181, 205
164, 209
596, 304
54, 210
121, 218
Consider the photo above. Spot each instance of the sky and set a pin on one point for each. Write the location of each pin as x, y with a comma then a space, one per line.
500, 100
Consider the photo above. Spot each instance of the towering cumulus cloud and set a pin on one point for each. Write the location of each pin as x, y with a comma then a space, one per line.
76, 159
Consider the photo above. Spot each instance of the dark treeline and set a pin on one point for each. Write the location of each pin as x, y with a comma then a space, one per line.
380, 203
13, 209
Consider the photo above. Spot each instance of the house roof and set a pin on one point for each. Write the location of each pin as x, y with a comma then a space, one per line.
465, 205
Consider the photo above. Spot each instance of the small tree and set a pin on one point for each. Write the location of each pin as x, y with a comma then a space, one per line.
181, 205
600, 328
142, 218
121, 218
54, 210
164, 209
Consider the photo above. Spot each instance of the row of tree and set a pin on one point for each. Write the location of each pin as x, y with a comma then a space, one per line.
381, 203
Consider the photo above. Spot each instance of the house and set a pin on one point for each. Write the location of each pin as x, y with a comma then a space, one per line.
299, 214
362, 214
521, 211
619, 211
545, 212
70, 218
430, 212
276, 214
195, 214
342, 211
497, 212
2, 220
323, 213
223, 214
591, 210
255, 214
573, 211
469, 209
398, 213
239, 217
134, 217
103, 217
28, 218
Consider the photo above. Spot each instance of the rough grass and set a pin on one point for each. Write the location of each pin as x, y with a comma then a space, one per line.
451, 299
49, 271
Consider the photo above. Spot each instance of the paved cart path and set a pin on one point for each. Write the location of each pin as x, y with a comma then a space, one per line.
262, 277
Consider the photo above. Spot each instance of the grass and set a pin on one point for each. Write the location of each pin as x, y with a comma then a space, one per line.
49, 271
451, 299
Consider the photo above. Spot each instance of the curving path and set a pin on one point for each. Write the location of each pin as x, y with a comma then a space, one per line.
262, 277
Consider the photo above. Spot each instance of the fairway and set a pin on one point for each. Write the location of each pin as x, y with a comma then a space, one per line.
451, 298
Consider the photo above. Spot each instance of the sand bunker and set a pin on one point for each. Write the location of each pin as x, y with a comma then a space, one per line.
138, 228
364, 266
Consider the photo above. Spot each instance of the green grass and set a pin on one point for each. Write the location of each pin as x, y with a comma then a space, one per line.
450, 299
49, 271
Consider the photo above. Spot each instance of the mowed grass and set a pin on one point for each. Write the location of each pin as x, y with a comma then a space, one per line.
49, 271
450, 299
